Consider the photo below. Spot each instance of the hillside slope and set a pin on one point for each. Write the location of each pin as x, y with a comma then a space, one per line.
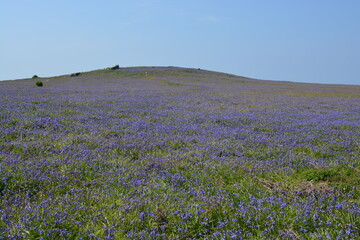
183, 79
174, 153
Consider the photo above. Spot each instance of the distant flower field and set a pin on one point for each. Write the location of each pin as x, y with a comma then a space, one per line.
152, 153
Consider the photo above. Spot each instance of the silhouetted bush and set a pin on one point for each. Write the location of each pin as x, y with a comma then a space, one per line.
75, 74
35, 76
39, 84
115, 67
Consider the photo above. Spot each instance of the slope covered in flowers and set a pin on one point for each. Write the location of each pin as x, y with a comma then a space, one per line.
172, 153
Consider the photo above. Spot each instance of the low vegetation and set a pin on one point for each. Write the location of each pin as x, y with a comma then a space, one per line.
39, 84
115, 67
75, 74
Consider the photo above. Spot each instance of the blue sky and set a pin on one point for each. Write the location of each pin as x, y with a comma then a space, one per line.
303, 41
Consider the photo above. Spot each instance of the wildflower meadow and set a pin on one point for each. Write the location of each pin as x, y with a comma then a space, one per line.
176, 153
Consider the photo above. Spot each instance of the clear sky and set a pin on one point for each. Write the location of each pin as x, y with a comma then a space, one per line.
303, 41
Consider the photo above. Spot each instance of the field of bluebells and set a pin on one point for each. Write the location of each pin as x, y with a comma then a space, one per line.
173, 153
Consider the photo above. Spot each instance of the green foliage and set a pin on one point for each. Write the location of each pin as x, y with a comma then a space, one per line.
318, 174
35, 76
115, 67
39, 84
75, 74
343, 177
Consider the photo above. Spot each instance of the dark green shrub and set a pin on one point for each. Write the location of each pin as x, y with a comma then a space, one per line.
35, 76
75, 74
115, 67
39, 84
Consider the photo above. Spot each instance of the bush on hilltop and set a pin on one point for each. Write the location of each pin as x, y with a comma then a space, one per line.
115, 67
75, 74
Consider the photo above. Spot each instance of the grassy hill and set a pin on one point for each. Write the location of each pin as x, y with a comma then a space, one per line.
178, 153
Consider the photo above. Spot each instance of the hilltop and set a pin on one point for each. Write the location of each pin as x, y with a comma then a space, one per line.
183, 79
